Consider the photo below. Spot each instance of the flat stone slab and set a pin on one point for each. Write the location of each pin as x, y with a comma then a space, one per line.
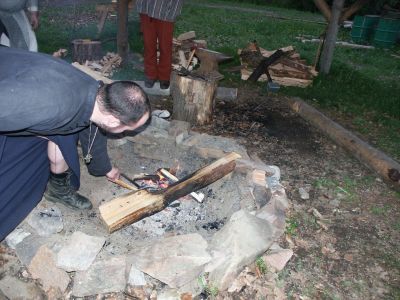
27, 248
43, 267
155, 90
136, 277
16, 237
105, 276
278, 258
79, 252
46, 220
174, 260
237, 244
13, 288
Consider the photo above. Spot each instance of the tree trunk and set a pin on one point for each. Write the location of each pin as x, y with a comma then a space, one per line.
331, 36
83, 50
122, 35
324, 9
193, 99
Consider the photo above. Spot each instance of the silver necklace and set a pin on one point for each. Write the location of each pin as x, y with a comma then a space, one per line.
88, 157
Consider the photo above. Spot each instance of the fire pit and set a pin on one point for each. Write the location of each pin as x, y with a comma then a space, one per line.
232, 222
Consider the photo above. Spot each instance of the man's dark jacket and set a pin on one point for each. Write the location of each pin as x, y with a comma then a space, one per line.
43, 95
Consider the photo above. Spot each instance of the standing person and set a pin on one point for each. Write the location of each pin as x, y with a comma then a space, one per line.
45, 105
15, 25
157, 19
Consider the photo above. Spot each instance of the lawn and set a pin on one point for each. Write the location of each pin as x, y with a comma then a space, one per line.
362, 89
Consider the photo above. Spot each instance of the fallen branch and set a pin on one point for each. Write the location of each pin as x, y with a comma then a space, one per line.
339, 43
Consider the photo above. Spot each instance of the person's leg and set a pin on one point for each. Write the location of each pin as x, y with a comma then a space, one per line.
24, 172
60, 187
165, 31
148, 26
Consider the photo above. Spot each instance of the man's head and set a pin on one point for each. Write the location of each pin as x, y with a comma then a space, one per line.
121, 106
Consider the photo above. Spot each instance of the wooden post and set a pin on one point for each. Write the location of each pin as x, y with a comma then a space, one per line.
122, 35
193, 99
331, 37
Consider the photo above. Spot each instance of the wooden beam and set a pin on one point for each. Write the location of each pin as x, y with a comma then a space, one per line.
122, 35
375, 159
324, 9
135, 206
356, 6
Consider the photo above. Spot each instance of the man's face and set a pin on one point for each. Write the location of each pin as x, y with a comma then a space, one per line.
117, 127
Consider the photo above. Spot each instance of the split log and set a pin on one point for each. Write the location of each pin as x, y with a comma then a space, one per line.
135, 206
375, 159
193, 99
83, 50
94, 74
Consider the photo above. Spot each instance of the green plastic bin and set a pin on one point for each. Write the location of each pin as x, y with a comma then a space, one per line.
387, 32
363, 28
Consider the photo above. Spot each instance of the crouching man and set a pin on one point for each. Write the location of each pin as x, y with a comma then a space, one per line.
46, 105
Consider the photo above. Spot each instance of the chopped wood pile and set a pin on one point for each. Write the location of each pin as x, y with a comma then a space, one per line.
106, 65
289, 70
183, 50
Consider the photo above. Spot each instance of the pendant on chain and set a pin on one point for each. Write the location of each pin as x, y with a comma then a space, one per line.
88, 158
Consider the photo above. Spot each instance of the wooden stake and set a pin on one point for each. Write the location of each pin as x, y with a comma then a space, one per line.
135, 206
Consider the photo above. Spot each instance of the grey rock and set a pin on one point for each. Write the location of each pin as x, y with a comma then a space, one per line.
278, 258
27, 249
159, 122
169, 294
136, 277
13, 288
105, 276
178, 127
46, 220
237, 244
161, 113
43, 267
155, 90
304, 193
79, 252
16, 237
175, 260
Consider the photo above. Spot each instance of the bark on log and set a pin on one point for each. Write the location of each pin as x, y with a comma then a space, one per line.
83, 50
375, 159
135, 206
193, 99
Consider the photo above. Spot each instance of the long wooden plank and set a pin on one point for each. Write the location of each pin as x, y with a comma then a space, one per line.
134, 206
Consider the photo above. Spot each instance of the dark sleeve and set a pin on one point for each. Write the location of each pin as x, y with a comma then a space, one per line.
100, 164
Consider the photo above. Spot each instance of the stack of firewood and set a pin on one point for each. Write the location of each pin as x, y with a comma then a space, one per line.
183, 50
106, 65
289, 70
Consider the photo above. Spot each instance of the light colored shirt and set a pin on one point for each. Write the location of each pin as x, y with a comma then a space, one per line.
166, 10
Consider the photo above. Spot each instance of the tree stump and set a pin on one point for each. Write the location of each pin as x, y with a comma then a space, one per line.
193, 99
84, 50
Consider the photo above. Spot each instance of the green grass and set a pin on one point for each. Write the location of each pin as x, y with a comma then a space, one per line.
363, 84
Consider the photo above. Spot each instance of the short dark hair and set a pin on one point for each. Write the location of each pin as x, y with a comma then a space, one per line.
125, 100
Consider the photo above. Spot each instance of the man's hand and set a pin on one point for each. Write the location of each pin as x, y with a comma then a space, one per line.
113, 175
34, 19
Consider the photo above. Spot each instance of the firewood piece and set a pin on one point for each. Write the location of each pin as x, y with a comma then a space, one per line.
199, 197
186, 36
125, 185
264, 64
182, 58
193, 99
134, 206
84, 50
384, 165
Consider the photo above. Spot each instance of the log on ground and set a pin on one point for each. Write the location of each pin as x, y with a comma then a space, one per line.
373, 158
